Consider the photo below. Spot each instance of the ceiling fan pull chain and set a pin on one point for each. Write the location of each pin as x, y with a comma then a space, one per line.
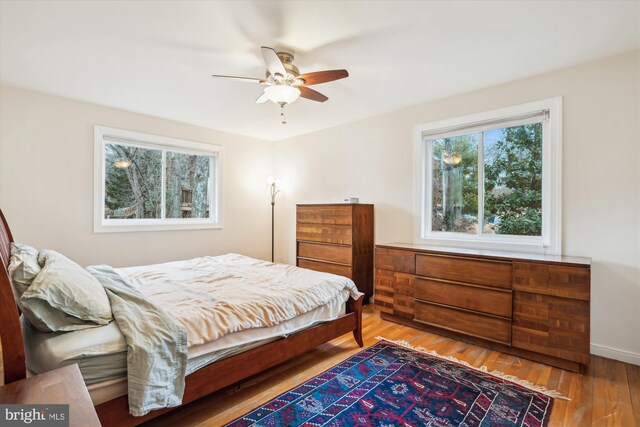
284, 118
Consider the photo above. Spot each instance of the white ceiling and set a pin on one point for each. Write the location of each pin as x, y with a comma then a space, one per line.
157, 57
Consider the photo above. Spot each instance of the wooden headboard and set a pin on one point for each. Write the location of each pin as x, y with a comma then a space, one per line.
13, 359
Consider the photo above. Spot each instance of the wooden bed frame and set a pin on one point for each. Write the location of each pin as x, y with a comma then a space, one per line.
200, 383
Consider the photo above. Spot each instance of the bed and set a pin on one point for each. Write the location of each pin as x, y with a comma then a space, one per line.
236, 358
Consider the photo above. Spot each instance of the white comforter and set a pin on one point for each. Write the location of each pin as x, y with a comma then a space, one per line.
216, 296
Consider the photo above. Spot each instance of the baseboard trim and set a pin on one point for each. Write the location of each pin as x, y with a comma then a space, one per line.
616, 354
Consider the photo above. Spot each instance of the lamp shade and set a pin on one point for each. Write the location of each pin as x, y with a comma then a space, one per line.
282, 93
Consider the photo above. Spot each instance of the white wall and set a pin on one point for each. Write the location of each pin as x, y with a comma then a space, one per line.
373, 159
46, 184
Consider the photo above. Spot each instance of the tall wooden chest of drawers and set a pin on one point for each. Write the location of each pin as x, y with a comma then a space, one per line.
337, 238
535, 306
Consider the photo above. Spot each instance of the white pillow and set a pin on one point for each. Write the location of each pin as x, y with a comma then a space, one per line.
23, 267
65, 297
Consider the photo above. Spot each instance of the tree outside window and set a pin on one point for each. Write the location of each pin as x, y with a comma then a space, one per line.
513, 180
134, 186
511, 163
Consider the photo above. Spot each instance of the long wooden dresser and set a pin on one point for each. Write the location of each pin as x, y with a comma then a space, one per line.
534, 306
337, 238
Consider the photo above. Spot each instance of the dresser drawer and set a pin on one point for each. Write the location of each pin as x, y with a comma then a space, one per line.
326, 267
395, 259
475, 298
336, 215
469, 323
384, 290
325, 252
551, 325
394, 293
324, 233
467, 270
557, 280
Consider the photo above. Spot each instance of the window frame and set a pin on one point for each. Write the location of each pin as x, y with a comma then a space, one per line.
102, 136
550, 242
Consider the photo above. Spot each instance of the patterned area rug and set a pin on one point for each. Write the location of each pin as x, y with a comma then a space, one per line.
390, 384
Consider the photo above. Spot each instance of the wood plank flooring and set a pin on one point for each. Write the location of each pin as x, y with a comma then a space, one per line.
608, 394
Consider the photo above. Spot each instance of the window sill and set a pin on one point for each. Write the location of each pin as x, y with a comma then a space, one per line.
101, 228
503, 245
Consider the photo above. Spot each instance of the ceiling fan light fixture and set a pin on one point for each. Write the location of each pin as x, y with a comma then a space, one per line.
282, 94
284, 83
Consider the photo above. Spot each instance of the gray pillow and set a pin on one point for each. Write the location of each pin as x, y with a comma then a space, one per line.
65, 297
23, 267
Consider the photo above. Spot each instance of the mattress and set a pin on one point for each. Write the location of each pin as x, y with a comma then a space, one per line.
101, 352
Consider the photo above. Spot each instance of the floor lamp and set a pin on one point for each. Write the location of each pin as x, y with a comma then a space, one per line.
274, 190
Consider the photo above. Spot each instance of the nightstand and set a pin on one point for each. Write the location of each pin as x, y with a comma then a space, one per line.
60, 386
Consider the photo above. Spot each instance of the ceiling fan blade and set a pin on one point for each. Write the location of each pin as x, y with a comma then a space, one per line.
262, 98
311, 94
241, 79
323, 76
274, 65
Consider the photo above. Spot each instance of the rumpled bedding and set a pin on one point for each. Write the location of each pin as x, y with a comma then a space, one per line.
215, 296
165, 308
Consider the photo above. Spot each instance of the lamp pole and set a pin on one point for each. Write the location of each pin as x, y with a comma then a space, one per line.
274, 191
273, 240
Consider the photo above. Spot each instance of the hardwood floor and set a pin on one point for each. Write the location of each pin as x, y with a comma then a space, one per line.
608, 394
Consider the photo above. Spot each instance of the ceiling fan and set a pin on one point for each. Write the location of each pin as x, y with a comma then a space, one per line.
284, 81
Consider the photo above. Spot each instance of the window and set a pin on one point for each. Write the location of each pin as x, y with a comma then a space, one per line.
493, 180
147, 182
